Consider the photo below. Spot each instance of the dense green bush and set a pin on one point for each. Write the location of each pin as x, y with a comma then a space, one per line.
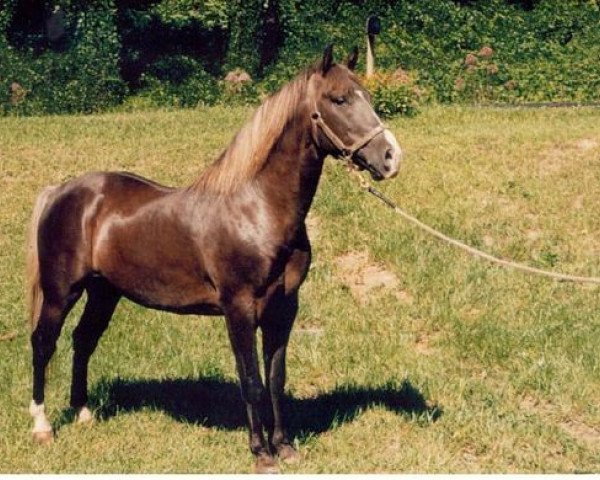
394, 94
79, 75
177, 52
556, 40
179, 81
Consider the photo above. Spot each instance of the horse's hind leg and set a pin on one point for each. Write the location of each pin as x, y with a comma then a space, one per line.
101, 303
52, 314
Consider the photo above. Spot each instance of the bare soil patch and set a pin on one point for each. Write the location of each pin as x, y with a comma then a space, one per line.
422, 344
313, 226
556, 159
364, 277
581, 431
586, 144
573, 426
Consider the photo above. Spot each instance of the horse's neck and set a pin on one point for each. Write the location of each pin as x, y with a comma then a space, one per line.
291, 173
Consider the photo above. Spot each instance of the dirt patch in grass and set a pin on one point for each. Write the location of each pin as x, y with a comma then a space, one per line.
578, 202
556, 159
365, 277
533, 234
586, 144
581, 431
530, 403
423, 344
313, 226
573, 426
309, 326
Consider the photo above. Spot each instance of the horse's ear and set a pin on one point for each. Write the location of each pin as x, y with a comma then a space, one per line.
327, 61
352, 59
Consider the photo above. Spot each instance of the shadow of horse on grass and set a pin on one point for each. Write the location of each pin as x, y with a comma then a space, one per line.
216, 402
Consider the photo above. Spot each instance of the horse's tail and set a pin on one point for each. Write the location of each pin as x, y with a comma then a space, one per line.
34, 293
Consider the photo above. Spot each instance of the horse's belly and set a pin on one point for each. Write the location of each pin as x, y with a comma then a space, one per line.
152, 260
155, 277
166, 290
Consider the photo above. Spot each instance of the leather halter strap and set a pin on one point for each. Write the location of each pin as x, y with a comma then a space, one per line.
346, 151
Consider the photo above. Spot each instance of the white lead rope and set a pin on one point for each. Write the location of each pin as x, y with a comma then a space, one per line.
561, 277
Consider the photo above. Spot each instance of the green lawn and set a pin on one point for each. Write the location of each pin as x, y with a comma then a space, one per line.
455, 366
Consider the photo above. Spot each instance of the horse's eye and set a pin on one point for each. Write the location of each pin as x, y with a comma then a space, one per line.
339, 100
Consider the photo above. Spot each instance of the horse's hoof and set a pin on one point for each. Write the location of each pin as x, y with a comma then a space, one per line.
265, 464
288, 454
85, 416
43, 438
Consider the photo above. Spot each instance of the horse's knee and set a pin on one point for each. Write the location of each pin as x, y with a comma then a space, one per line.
83, 339
253, 391
43, 341
79, 336
48, 328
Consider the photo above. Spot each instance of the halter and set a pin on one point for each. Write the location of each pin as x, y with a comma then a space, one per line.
346, 151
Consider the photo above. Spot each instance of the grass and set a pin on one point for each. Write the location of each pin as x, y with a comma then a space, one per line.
478, 369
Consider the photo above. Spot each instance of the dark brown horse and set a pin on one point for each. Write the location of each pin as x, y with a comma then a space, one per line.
233, 243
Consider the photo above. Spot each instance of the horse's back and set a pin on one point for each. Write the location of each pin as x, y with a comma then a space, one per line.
113, 183
73, 207
123, 185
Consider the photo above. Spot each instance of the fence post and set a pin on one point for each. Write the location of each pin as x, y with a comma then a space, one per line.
373, 28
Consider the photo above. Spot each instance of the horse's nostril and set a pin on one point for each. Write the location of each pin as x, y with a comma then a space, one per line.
387, 162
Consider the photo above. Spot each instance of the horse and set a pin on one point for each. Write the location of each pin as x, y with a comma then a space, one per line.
232, 243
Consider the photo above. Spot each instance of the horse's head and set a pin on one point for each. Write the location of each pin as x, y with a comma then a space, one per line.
344, 123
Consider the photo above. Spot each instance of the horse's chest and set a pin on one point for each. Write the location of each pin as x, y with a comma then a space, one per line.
292, 270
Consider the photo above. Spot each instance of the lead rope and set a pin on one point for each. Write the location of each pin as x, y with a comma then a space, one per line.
561, 277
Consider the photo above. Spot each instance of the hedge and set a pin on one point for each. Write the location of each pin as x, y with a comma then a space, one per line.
74, 70
73, 56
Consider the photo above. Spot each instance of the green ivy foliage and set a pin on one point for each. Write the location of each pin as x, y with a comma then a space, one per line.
181, 13
177, 52
551, 52
82, 77
394, 94
179, 81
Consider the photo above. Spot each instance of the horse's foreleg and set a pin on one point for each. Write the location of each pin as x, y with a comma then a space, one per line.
276, 325
241, 325
101, 303
43, 342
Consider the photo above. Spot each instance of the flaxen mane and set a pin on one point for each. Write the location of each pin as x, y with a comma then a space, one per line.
248, 151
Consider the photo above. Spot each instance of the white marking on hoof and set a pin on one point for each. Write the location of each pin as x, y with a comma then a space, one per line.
85, 415
288, 454
42, 430
43, 438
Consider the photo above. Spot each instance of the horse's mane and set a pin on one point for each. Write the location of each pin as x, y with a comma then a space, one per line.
248, 151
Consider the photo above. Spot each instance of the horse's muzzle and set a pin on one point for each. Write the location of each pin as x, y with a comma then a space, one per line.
381, 157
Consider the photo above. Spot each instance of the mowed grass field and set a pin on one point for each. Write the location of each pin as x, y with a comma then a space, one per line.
407, 356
